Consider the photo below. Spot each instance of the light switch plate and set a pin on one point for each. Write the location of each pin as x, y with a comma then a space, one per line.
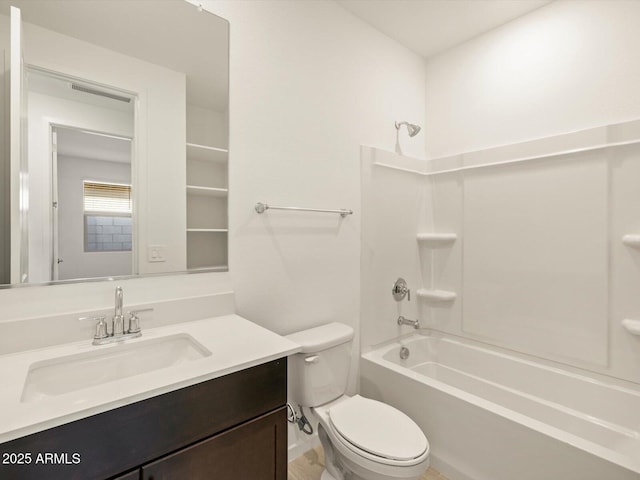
156, 253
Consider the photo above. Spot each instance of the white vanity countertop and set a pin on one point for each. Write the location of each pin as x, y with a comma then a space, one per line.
234, 342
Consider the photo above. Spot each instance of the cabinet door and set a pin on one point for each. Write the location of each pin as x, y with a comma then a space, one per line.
255, 450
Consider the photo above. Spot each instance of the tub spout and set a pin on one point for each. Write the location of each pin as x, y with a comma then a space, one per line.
411, 323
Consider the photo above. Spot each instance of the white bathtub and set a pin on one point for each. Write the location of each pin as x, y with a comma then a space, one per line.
494, 416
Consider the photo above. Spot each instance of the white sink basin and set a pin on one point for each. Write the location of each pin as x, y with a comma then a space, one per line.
61, 375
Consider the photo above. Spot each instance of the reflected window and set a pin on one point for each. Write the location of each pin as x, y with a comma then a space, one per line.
107, 217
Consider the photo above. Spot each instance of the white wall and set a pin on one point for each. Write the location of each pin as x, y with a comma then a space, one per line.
567, 66
207, 127
309, 84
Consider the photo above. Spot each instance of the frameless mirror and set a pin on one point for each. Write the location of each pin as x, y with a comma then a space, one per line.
118, 139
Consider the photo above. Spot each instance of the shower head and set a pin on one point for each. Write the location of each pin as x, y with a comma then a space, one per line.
411, 128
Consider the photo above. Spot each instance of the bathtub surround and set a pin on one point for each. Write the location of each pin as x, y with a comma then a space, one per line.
525, 247
512, 275
544, 92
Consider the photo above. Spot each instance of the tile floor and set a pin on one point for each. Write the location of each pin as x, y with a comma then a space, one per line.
309, 466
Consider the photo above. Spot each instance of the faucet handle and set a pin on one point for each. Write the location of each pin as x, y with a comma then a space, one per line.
401, 290
101, 329
134, 320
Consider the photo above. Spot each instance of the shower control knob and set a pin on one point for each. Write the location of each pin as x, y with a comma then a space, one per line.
400, 290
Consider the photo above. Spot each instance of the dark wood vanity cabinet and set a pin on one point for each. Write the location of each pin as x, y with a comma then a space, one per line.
250, 451
230, 428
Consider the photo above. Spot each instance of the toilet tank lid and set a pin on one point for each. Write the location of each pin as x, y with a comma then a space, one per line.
320, 338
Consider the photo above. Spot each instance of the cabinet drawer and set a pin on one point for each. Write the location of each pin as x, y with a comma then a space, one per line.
256, 450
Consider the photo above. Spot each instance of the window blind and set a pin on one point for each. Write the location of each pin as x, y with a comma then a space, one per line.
110, 198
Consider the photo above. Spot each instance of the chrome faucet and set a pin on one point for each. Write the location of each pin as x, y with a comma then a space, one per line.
118, 332
117, 325
411, 323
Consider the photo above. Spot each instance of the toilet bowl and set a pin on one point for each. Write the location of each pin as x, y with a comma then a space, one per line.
374, 441
363, 439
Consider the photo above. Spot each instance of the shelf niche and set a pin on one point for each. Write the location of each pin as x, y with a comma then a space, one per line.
631, 240
436, 297
436, 240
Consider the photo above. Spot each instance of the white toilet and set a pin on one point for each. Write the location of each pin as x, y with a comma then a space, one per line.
363, 439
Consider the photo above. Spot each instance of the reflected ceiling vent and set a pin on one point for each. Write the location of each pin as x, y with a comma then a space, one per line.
100, 93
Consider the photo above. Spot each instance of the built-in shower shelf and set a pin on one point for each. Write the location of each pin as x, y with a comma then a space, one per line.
436, 296
437, 240
631, 240
632, 326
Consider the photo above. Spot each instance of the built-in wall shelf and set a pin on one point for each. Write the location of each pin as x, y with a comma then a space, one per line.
632, 326
436, 296
207, 191
206, 153
207, 248
631, 240
436, 240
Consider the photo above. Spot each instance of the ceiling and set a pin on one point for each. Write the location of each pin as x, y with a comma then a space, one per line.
92, 146
429, 27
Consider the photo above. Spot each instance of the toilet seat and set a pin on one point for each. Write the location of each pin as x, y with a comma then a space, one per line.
378, 429
360, 460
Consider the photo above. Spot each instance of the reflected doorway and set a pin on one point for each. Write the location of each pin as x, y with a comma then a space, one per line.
92, 204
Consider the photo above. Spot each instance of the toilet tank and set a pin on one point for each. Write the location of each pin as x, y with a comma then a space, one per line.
319, 373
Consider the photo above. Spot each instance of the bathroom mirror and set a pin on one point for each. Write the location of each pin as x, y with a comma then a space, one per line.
116, 156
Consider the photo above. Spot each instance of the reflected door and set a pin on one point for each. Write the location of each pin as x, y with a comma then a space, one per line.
92, 205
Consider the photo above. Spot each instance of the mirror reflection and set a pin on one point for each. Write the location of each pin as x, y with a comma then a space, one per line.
81, 225
118, 143
92, 204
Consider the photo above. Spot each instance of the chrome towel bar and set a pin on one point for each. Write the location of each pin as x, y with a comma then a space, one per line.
262, 207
